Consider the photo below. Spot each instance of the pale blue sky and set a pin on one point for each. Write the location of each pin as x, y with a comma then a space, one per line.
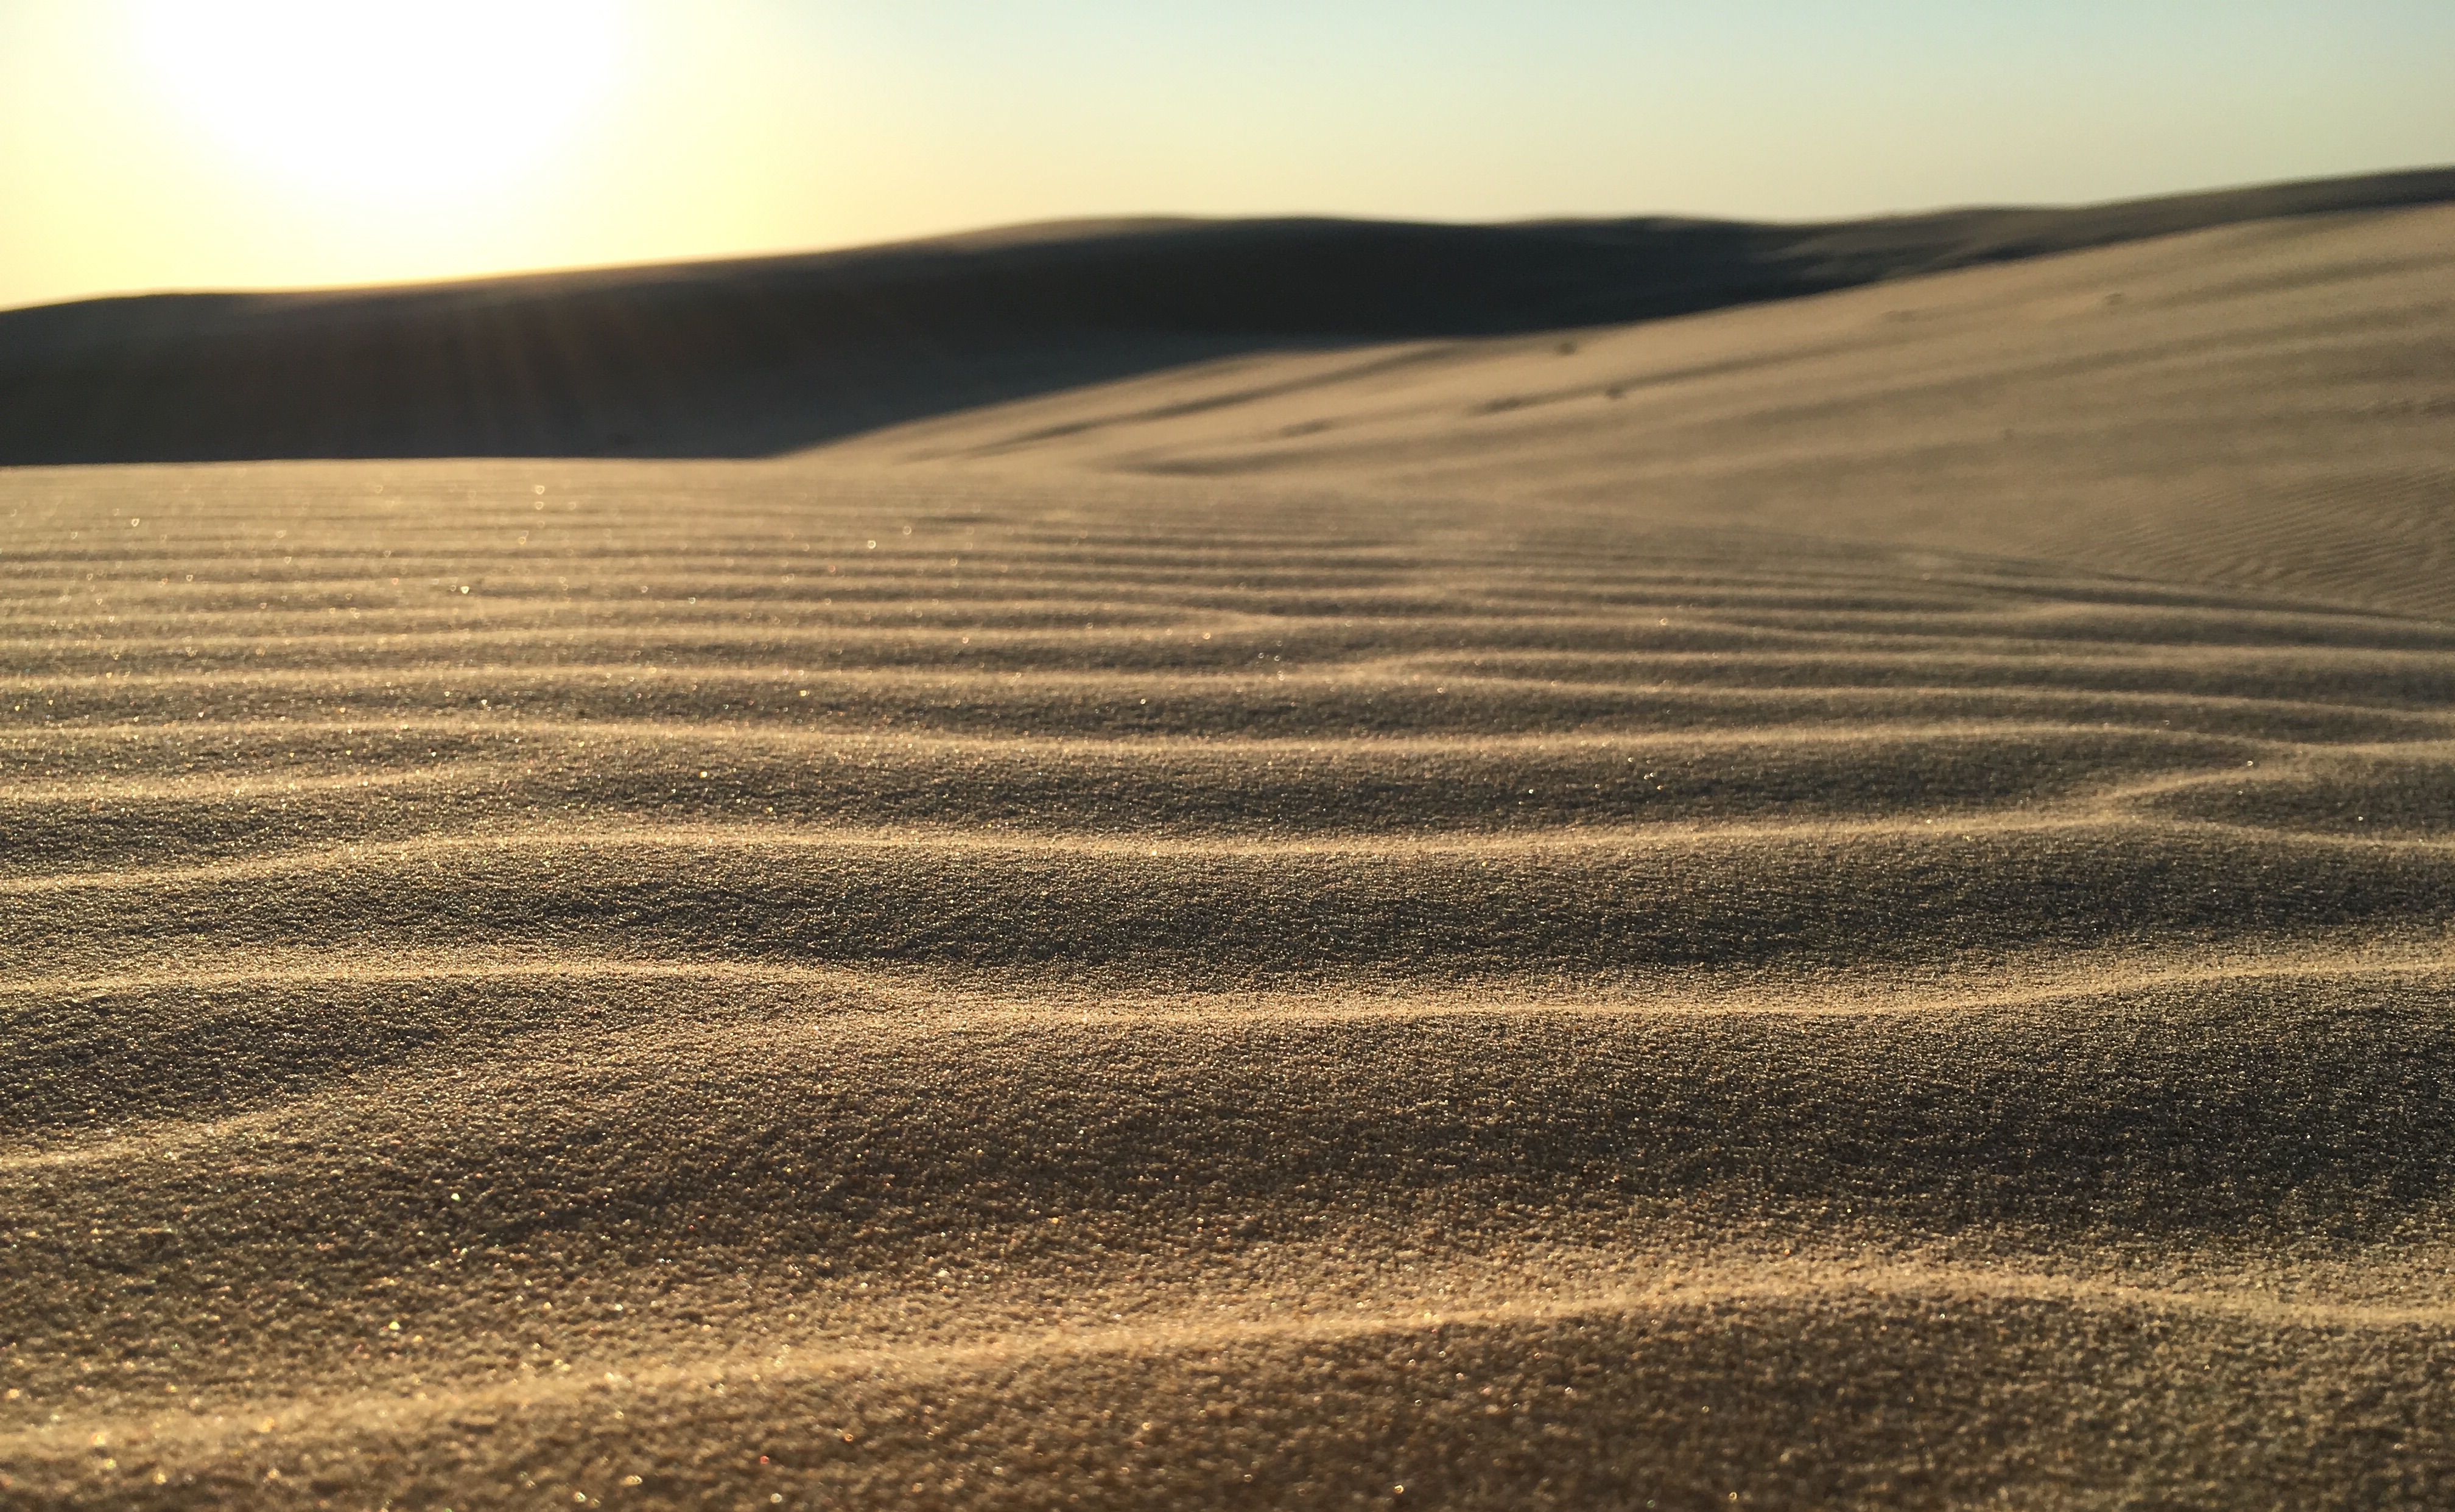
133, 157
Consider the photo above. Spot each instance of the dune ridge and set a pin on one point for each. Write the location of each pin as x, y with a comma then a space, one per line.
1173, 963
757, 356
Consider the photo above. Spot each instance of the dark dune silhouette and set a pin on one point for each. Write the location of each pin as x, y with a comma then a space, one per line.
758, 357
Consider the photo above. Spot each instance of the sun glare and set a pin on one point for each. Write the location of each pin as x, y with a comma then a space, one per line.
378, 99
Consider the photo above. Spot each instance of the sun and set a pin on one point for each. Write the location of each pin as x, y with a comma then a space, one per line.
379, 100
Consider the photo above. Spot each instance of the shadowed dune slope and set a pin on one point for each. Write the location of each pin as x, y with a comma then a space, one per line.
758, 357
684, 985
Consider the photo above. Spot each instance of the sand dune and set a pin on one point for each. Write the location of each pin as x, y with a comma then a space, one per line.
2265, 405
1280, 933
757, 357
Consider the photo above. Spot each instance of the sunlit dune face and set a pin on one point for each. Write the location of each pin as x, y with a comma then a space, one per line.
380, 99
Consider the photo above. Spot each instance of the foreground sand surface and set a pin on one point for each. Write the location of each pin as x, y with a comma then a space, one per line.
1830, 903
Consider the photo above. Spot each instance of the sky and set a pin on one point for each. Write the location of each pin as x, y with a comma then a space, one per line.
192, 144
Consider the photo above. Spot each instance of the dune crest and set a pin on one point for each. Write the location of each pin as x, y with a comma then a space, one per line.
758, 357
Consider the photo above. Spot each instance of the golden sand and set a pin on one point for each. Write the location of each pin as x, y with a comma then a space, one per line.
1836, 903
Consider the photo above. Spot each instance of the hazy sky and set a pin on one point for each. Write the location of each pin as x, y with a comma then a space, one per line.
149, 144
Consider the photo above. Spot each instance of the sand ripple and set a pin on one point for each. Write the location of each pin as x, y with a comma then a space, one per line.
698, 984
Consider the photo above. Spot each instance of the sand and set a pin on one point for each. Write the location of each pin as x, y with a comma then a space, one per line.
1843, 902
